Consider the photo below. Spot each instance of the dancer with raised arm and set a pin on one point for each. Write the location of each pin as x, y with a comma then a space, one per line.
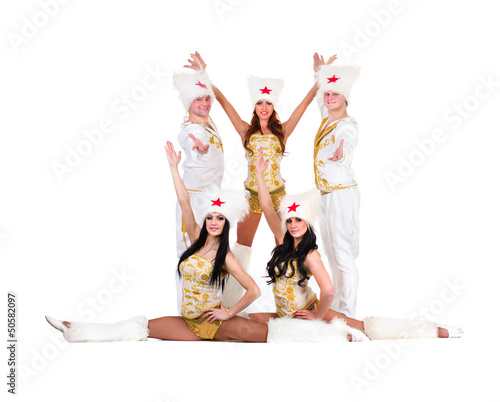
296, 259
203, 267
334, 146
204, 154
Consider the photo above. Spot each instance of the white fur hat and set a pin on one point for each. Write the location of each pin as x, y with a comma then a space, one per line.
264, 88
233, 204
192, 86
336, 78
306, 206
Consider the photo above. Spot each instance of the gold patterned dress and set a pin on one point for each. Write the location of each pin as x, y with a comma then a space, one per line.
198, 295
274, 182
289, 296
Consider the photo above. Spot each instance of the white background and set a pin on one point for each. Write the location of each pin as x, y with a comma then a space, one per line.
428, 241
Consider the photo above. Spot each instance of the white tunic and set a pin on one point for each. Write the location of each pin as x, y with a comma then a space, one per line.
331, 175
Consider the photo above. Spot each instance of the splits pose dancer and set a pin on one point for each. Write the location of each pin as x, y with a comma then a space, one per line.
296, 259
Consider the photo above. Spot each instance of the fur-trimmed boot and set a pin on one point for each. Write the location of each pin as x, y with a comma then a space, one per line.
287, 329
395, 328
233, 291
134, 329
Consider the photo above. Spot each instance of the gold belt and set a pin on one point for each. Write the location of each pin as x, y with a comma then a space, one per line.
339, 187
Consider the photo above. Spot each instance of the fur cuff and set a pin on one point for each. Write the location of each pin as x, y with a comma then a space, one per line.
134, 329
394, 328
286, 329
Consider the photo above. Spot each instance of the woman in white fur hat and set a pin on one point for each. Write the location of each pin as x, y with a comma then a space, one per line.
203, 267
296, 259
267, 132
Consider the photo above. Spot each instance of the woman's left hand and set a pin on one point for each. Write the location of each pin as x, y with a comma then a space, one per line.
261, 165
307, 314
213, 314
320, 61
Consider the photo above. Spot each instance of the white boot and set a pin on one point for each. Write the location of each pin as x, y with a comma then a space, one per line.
233, 291
134, 329
395, 328
286, 329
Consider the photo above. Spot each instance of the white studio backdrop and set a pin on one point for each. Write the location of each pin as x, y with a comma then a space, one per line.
87, 205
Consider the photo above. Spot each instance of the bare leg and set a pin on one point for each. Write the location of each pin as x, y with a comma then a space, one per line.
262, 317
247, 228
171, 328
242, 329
331, 314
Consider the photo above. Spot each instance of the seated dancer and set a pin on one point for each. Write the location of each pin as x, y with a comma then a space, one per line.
203, 267
296, 259
265, 130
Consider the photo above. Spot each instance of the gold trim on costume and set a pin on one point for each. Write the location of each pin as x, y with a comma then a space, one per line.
276, 197
201, 328
338, 187
320, 135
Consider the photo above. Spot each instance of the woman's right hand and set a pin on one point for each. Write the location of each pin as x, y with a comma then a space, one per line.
261, 165
320, 61
196, 62
172, 156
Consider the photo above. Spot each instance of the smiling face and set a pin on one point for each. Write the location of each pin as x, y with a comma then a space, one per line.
264, 109
334, 101
297, 227
215, 223
201, 106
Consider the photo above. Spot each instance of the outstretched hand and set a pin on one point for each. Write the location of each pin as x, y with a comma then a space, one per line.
320, 61
196, 62
339, 152
261, 165
198, 145
173, 158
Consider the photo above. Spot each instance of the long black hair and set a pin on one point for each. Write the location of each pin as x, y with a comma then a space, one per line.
216, 278
284, 255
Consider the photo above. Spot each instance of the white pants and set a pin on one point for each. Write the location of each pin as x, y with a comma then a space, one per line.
182, 238
340, 235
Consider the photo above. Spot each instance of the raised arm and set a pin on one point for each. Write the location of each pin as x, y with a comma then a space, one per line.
297, 114
192, 228
266, 204
233, 267
197, 63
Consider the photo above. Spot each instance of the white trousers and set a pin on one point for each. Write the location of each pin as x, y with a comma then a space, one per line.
182, 238
340, 235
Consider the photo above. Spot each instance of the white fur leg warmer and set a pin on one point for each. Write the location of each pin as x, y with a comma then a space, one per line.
233, 291
134, 329
286, 329
394, 328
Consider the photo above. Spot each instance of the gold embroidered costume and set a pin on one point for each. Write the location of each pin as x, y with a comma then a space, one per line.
274, 182
198, 295
289, 296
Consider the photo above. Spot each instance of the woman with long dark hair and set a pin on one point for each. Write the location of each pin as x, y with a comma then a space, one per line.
295, 259
267, 132
203, 267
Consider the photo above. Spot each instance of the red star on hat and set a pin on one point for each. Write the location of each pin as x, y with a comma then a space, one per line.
265, 90
293, 207
217, 202
333, 79
201, 85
